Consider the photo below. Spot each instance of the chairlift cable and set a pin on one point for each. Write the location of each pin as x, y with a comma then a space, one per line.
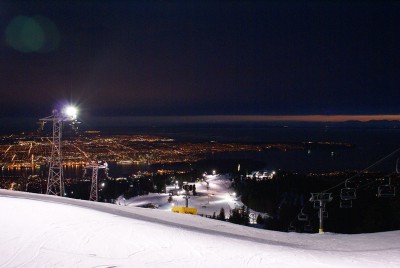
373, 181
362, 171
358, 174
367, 184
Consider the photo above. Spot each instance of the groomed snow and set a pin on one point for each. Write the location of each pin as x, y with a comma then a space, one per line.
207, 201
49, 231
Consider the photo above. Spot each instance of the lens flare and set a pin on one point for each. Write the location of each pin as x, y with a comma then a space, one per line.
71, 111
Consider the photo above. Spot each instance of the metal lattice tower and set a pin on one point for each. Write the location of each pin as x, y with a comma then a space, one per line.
55, 180
95, 171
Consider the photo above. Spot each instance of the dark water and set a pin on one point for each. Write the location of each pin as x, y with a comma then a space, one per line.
370, 145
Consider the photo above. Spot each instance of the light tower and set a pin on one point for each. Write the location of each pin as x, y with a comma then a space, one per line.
95, 166
55, 181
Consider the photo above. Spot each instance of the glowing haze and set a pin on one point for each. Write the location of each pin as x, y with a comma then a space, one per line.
146, 120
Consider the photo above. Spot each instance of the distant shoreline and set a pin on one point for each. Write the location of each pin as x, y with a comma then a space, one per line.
133, 124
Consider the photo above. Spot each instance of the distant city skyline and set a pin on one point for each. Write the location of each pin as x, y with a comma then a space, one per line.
250, 60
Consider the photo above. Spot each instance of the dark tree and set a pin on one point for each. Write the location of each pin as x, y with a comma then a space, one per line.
194, 190
221, 215
260, 219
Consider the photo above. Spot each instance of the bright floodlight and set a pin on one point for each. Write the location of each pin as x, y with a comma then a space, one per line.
71, 111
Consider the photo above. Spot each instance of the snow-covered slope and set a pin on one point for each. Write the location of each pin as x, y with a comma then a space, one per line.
49, 231
219, 194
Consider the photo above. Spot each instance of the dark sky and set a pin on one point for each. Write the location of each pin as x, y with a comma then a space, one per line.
132, 58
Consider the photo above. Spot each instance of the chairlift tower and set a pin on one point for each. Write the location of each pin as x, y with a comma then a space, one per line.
187, 189
320, 200
95, 166
55, 180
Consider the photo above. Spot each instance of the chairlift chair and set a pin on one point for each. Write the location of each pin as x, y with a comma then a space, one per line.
308, 228
387, 190
291, 228
346, 203
302, 216
347, 193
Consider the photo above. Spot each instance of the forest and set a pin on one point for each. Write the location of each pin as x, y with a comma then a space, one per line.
285, 199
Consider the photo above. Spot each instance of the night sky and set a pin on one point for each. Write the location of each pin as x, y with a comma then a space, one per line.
185, 58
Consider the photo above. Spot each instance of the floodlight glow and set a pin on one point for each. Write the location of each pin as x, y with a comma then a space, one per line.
71, 111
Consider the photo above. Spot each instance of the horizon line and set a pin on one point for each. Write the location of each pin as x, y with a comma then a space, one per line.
244, 118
